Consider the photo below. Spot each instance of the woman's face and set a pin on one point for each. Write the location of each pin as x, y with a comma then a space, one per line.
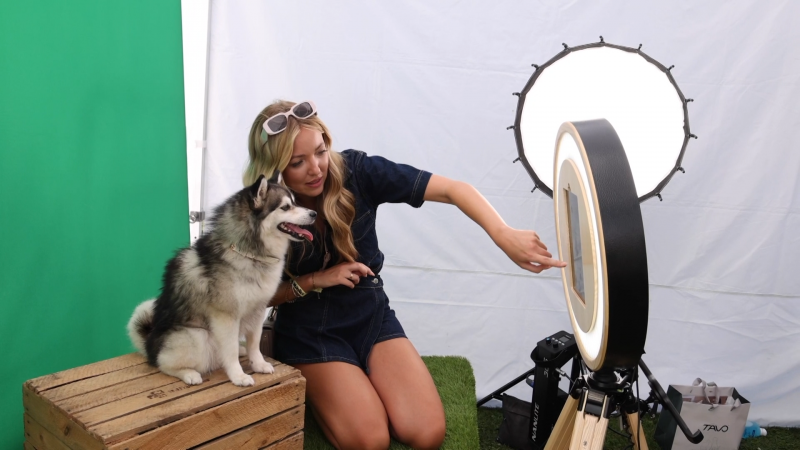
308, 168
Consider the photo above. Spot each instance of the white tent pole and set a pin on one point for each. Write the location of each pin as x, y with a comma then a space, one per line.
195, 20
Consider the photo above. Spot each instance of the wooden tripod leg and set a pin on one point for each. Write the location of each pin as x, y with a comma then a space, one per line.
637, 433
589, 432
562, 431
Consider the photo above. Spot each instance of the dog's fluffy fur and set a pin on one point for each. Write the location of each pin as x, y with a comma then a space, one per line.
213, 294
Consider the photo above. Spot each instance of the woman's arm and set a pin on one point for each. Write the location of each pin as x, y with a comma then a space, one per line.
522, 246
346, 274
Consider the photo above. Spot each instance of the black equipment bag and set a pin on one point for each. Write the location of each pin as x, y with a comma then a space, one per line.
516, 423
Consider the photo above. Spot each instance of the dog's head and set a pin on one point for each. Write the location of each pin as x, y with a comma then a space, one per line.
275, 208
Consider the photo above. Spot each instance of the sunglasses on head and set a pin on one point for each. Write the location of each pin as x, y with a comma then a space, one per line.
278, 122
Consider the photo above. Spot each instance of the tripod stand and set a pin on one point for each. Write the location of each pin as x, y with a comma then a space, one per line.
583, 421
593, 397
549, 355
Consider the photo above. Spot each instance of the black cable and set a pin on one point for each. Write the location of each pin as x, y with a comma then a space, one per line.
564, 374
625, 435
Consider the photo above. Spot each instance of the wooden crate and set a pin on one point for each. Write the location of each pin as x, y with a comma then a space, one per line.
125, 404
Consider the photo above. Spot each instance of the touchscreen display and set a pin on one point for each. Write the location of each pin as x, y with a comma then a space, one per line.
575, 245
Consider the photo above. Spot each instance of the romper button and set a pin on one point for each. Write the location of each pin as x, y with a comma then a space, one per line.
374, 281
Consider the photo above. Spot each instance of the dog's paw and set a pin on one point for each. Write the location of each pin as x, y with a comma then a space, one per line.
242, 380
191, 377
262, 366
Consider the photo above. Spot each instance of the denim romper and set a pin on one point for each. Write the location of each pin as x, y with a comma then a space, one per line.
340, 323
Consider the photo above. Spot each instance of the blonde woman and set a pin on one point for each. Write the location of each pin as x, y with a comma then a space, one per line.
365, 380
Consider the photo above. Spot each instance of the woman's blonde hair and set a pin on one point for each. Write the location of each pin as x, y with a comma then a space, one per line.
271, 153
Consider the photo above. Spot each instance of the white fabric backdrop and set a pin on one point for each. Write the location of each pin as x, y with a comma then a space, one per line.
430, 83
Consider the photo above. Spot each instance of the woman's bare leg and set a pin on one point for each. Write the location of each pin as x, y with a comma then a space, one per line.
401, 379
346, 406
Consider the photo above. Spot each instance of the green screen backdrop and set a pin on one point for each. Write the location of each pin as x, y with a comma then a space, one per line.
92, 179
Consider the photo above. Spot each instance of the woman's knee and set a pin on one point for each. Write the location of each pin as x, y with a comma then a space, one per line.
364, 437
427, 434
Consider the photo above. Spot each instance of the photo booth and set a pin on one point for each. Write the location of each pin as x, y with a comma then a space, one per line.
597, 177
429, 85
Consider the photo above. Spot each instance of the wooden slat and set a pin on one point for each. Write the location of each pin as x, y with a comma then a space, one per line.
110, 394
149, 399
56, 422
27, 446
79, 373
176, 400
261, 434
293, 442
38, 436
66, 391
216, 421
175, 406
124, 389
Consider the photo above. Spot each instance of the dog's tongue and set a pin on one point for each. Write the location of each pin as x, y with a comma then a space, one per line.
301, 231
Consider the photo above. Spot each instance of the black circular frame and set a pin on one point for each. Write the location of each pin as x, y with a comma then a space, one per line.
567, 50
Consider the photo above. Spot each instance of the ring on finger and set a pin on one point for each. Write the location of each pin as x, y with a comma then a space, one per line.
350, 277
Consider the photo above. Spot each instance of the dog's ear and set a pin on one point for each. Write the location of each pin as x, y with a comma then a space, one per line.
276, 178
258, 192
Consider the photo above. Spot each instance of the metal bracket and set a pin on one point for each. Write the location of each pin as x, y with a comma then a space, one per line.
595, 403
197, 216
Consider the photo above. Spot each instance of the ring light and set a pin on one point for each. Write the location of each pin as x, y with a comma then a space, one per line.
600, 234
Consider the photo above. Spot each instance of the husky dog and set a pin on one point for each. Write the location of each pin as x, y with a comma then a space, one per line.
218, 289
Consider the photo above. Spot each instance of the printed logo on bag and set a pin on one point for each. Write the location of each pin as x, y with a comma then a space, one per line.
709, 427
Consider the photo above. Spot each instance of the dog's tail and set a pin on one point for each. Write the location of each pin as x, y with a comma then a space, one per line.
141, 324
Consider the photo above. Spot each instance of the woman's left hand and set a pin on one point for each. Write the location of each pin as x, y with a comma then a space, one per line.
526, 249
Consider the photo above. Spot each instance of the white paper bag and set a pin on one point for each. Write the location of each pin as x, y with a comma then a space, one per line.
720, 413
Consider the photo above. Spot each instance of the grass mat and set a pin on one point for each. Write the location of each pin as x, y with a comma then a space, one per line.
456, 385
776, 439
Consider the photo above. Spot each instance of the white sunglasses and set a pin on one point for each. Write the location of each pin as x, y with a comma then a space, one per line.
278, 122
